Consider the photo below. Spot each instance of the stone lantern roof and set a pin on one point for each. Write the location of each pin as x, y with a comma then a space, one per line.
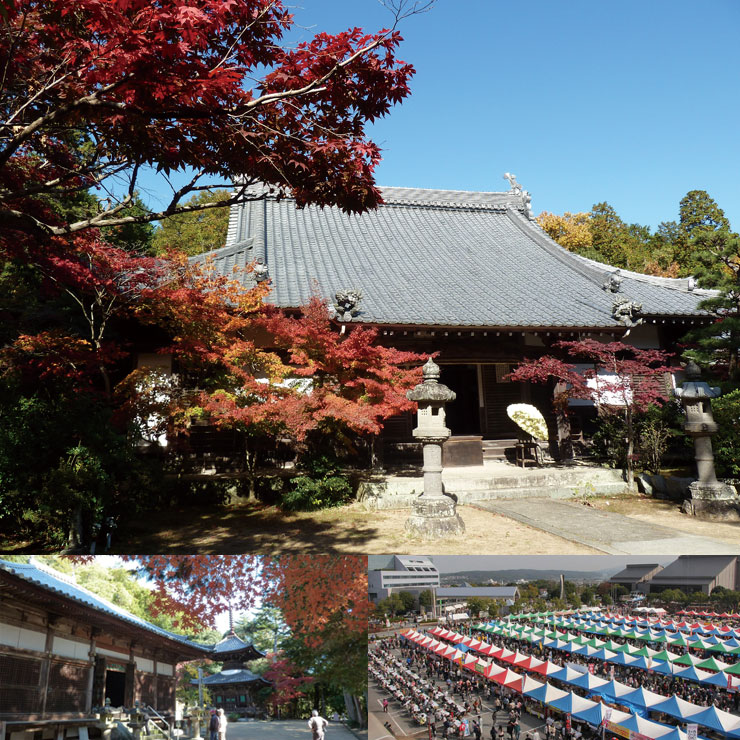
431, 390
694, 388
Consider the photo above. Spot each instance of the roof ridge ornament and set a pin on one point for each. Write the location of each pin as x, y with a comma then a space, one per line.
613, 281
347, 304
516, 188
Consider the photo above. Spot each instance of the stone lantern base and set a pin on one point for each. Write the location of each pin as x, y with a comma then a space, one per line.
433, 517
712, 501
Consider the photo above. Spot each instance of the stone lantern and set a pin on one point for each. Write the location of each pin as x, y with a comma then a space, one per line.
434, 514
708, 495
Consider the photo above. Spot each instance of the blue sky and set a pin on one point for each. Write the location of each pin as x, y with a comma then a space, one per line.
630, 102
635, 103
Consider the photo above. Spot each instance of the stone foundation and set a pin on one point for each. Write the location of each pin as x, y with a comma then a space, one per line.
717, 501
434, 517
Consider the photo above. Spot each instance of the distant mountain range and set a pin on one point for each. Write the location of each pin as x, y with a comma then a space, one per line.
525, 574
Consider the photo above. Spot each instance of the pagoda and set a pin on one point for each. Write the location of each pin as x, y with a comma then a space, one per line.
234, 688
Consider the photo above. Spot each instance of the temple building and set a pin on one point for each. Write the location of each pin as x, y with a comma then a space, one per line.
235, 687
467, 274
66, 653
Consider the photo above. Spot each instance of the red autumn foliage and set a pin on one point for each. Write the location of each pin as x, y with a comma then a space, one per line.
98, 90
287, 682
308, 590
326, 378
622, 380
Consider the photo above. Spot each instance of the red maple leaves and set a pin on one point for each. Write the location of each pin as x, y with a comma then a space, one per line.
310, 591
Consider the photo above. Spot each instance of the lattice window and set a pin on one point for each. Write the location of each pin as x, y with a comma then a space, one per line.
67, 687
16, 671
165, 694
145, 689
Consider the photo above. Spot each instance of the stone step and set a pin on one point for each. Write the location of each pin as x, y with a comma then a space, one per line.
577, 491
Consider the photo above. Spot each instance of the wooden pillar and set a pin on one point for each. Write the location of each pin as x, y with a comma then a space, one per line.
130, 689
98, 684
155, 690
46, 663
482, 419
91, 672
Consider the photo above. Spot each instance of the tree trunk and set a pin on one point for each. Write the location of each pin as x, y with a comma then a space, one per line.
630, 430
560, 405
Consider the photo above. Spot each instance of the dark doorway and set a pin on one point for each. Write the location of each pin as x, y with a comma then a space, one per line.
463, 415
115, 688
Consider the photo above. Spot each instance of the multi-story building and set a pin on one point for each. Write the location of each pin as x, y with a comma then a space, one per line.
413, 573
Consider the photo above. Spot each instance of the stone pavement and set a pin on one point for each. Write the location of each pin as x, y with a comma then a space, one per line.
603, 530
289, 729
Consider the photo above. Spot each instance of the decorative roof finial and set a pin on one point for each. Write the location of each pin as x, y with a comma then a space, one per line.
516, 188
430, 371
231, 620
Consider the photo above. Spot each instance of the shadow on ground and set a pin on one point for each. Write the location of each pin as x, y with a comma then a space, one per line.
244, 528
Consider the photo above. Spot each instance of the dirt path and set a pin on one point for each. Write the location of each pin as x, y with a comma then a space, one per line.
348, 529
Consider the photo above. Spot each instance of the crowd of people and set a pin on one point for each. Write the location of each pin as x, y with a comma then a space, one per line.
659, 683
431, 691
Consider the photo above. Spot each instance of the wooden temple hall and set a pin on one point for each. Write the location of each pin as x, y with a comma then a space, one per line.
66, 655
470, 275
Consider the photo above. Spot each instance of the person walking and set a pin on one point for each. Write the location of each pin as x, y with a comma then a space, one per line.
213, 725
222, 724
385, 706
317, 725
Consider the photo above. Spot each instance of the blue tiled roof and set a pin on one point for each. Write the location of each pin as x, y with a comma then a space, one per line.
63, 585
437, 258
231, 643
229, 677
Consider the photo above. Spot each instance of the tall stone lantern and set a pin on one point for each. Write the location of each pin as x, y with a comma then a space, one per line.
708, 495
434, 514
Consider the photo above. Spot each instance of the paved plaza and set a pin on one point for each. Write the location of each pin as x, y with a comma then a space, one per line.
289, 729
605, 531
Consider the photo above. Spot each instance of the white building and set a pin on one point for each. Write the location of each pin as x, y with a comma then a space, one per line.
413, 573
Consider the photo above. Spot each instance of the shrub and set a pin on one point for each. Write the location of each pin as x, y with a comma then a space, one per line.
655, 430
308, 494
726, 442
321, 487
609, 442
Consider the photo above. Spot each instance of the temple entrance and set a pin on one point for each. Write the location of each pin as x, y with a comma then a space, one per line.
463, 414
115, 688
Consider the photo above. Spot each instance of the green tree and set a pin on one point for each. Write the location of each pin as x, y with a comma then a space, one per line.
698, 212
717, 259
616, 242
407, 599
588, 596
425, 598
391, 606
132, 236
266, 629
197, 231
726, 442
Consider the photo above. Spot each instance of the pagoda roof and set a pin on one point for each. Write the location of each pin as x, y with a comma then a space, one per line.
442, 258
224, 678
232, 643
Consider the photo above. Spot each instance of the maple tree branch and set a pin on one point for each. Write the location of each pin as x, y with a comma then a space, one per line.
247, 27
401, 9
27, 131
107, 217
